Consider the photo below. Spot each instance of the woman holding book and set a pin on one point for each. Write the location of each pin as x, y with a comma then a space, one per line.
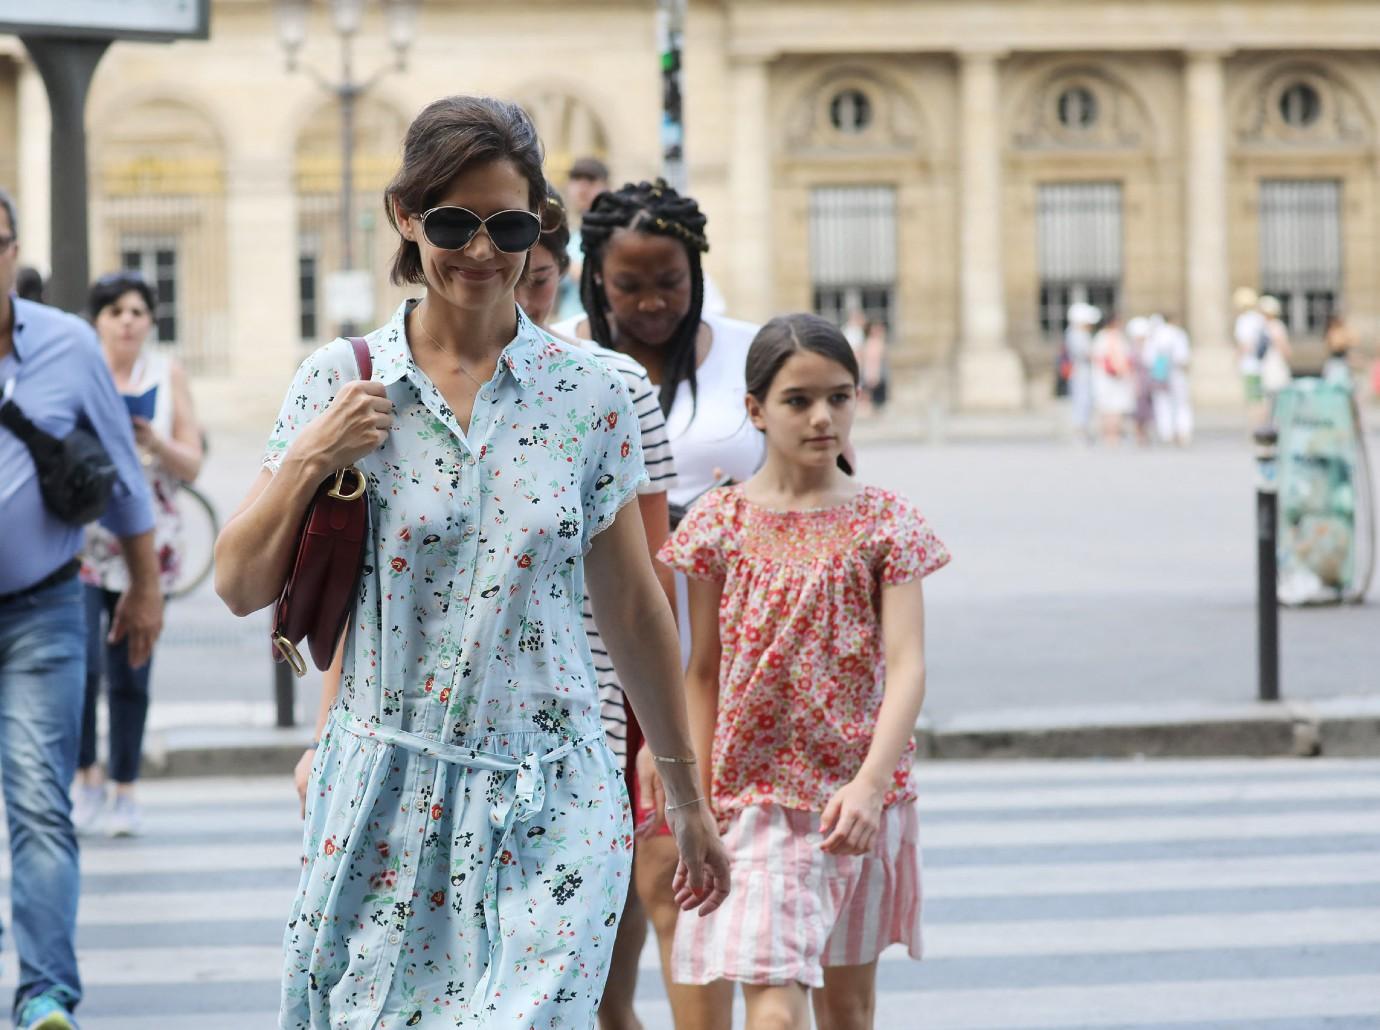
122, 305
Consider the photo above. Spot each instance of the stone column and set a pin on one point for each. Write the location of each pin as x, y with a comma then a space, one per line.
989, 372
261, 274
1205, 236
750, 293
32, 190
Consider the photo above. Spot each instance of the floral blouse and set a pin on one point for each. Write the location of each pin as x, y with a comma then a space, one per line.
468, 618
802, 673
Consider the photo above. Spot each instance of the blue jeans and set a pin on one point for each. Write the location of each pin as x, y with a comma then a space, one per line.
42, 678
128, 697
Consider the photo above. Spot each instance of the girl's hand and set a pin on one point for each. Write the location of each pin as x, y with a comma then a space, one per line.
355, 424
650, 788
701, 880
851, 819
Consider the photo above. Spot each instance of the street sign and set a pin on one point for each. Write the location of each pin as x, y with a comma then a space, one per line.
108, 19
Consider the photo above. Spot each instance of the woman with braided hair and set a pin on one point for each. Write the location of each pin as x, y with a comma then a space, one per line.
643, 290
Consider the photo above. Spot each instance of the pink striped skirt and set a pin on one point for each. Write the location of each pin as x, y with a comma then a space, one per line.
794, 909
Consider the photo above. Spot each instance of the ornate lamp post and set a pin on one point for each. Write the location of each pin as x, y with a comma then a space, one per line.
346, 18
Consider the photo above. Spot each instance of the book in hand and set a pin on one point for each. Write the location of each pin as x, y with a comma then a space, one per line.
141, 405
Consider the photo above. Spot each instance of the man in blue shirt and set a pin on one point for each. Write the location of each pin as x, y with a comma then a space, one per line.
51, 367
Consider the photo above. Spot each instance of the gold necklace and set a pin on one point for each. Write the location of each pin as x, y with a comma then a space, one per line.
459, 367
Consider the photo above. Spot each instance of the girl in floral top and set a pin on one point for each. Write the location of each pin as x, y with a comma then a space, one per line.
806, 677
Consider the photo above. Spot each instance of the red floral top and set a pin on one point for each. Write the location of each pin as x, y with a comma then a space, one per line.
802, 673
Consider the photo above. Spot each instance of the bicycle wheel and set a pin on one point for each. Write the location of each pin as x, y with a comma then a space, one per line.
200, 526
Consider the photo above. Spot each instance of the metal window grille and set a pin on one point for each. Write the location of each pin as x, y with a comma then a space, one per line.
308, 287
156, 262
853, 251
1301, 249
1078, 231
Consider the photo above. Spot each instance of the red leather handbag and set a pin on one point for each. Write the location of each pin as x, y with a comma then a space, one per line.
320, 591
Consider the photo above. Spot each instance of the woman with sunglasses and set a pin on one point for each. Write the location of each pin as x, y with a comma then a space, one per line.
467, 841
642, 285
155, 388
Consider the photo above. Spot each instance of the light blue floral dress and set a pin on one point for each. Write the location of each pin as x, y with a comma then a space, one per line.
468, 844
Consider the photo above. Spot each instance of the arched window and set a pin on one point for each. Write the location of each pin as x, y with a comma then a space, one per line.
850, 111
158, 208
1300, 105
1077, 108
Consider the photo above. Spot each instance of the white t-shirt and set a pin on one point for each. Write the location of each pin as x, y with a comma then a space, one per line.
713, 432
1250, 326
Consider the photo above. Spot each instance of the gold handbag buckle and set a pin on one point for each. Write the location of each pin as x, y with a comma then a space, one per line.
337, 489
290, 654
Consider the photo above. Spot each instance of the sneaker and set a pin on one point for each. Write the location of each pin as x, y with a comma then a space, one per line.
124, 819
45, 1013
88, 805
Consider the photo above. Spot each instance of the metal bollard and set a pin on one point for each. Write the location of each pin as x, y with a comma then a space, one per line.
1267, 543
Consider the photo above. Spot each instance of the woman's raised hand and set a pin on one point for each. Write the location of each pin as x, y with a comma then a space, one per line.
701, 880
355, 424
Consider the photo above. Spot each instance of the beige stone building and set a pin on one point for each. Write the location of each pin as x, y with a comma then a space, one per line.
962, 169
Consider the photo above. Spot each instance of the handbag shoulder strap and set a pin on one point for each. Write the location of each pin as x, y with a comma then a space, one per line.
362, 358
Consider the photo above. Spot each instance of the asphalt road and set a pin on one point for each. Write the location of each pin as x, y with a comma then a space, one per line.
1080, 577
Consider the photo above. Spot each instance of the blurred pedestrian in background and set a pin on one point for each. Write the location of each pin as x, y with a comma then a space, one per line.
874, 366
28, 284
1143, 412
1275, 370
1339, 365
1078, 346
52, 376
1252, 341
588, 178
1113, 385
155, 391
854, 330
1169, 358
644, 292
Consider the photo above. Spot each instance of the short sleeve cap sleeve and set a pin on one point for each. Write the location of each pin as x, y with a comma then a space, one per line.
318, 379
909, 548
613, 456
698, 546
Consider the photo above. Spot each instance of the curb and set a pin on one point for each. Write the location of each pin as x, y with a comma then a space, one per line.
1335, 728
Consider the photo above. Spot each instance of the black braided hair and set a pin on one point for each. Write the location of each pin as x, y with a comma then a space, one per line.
651, 207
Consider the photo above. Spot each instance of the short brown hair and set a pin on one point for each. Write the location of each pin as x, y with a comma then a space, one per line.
448, 137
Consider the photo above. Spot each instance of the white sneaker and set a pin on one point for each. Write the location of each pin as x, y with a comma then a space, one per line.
88, 806
124, 819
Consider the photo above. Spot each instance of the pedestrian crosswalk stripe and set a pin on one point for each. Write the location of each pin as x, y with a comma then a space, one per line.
1160, 874
1212, 894
978, 833
1095, 798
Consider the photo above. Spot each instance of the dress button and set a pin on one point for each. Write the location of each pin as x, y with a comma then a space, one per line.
392, 938
445, 663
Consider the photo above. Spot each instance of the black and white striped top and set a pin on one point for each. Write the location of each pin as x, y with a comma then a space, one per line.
661, 475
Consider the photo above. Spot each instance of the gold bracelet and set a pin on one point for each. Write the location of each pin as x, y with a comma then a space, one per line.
685, 804
669, 760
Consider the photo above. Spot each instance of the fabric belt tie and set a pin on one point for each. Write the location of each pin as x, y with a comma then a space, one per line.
529, 798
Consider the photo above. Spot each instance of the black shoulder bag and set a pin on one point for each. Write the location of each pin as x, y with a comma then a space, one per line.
75, 474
